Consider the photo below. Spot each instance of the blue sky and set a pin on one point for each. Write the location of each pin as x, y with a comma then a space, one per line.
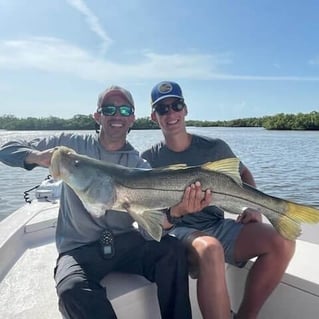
233, 59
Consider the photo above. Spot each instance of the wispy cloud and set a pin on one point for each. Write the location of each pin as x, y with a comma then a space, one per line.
58, 56
93, 22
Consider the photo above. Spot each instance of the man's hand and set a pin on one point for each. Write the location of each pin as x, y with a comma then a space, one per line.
194, 200
249, 216
41, 158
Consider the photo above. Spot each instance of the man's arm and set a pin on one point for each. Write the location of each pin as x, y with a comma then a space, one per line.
248, 215
247, 177
16, 153
39, 158
13, 153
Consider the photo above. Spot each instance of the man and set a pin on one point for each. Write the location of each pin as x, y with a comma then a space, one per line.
210, 237
83, 260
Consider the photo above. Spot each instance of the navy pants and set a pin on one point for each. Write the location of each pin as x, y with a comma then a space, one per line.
78, 274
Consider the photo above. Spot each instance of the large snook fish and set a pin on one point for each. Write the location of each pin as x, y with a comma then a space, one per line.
144, 193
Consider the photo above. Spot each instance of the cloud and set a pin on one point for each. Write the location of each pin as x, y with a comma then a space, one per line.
58, 56
93, 22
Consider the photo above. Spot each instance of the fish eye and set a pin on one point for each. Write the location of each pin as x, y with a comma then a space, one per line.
76, 163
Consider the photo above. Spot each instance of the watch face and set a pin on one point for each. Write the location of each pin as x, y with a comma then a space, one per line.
107, 250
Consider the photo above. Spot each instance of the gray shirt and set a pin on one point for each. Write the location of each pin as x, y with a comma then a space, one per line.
76, 226
201, 150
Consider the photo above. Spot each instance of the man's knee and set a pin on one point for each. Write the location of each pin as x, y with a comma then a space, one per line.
203, 251
284, 247
69, 288
79, 298
68, 291
207, 248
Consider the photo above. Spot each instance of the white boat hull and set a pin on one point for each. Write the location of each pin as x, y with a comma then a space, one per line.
27, 260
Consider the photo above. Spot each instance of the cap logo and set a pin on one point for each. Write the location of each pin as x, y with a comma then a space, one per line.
165, 88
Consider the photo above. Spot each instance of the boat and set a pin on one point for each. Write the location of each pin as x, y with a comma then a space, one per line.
28, 255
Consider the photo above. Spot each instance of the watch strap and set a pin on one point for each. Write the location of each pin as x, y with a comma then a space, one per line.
171, 219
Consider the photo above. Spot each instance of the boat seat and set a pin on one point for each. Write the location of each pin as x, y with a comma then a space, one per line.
132, 294
135, 294
297, 294
117, 284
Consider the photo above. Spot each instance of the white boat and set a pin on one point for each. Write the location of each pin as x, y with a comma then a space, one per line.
28, 255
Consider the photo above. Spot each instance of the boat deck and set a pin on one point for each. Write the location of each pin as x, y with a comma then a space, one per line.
28, 289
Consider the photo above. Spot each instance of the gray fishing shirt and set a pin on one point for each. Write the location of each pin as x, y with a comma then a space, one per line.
76, 226
201, 150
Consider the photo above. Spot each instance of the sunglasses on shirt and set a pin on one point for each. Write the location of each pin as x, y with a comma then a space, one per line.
110, 110
162, 109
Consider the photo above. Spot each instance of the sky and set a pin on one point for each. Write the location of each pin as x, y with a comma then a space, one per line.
232, 58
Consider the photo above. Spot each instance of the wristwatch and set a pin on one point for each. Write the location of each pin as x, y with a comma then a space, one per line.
171, 219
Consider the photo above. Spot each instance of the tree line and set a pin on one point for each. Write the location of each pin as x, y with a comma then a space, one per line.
281, 121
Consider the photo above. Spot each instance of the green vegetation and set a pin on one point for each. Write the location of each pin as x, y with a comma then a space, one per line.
280, 121
292, 122
77, 122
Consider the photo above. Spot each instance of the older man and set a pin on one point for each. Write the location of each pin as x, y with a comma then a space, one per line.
84, 259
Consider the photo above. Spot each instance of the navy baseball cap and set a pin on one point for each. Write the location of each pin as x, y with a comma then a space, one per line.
165, 89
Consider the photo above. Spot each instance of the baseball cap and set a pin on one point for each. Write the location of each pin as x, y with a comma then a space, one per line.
115, 90
165, 89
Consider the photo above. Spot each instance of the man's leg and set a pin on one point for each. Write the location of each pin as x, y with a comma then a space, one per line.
207, 263
80, 296
165, 264
212, 294
273, 256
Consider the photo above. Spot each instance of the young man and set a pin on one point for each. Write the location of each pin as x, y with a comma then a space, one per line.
82, 263
210, 237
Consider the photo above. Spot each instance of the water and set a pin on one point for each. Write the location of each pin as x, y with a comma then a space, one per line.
284, 163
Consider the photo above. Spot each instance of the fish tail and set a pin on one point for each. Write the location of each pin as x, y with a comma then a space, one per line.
287, 227
302, 213
289, 222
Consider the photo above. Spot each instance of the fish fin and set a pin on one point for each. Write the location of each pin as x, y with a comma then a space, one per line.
228, 166
154, 222
286, 227
150, 220
288, 224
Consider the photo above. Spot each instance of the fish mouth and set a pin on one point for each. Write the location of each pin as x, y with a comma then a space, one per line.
60, 156
54, 166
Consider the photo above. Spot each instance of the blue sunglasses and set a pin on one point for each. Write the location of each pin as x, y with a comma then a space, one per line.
110, 110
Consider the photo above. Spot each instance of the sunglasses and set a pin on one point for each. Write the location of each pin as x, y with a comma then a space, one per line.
162, 109
110, 110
